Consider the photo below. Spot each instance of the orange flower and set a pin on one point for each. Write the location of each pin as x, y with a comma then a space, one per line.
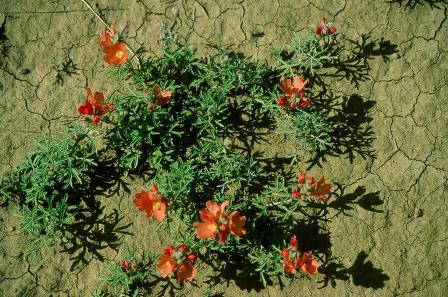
166, 265
152, 203
308, 264
289, 265
178, 260
237, 224
321, 190
95, 106
185, 271
115, 54
293, 89
162, 96
217, 223
292, 258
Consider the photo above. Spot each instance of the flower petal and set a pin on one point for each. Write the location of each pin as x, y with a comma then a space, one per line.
166, 265
185, 271
237, 224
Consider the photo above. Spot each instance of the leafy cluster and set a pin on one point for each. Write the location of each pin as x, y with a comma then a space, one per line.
47, 182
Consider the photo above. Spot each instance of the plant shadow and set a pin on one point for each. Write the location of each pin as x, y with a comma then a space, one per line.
411, 4
352, 134
353, 60
91, 233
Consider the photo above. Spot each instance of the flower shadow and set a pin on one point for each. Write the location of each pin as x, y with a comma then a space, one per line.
344, 202
362, 272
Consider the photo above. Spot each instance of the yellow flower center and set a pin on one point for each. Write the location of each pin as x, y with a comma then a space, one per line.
119, 54
156, 206
212, 227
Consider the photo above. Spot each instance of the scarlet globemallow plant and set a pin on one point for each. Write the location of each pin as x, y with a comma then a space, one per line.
320, 190
178, 260
295, 93
293, 258
152, 203
217, 223
95, 106
115, 52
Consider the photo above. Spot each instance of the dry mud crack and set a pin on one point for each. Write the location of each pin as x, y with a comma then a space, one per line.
48, 56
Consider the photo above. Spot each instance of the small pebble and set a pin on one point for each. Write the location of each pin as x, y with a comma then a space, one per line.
25, 71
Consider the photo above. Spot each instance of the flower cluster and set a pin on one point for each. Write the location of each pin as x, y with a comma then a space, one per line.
320, 190
162, 97
325, 28
293, 258
177, 260
95, 106
152, 203
115, 52
217, 223
295, 93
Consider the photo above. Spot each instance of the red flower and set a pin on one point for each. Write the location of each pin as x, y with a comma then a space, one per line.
126, 265
321, 190
289, 265
301, 177
297, 195
179, 261
289, 255
324, 27
304, 102
292, 258
152, 203
311, 181
217, 223
282, 101
115, 54
162, 96
293, 89
95, 105
293, 243
169, 250
192, 257
308, 264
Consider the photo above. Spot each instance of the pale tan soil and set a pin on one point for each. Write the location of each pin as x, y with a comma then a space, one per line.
404, 237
